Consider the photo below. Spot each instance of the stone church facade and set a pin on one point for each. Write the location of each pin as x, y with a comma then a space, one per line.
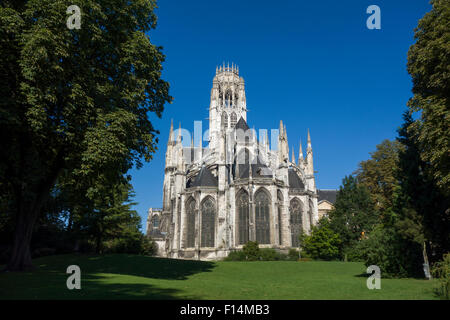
237, 189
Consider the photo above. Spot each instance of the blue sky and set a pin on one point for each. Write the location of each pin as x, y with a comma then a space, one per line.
312, 64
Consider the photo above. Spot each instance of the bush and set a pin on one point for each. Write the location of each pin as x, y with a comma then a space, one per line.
268, 254
251, 250
293, 254
136, 244
441, 270
395, 256
149, 246
323, 243
236, 256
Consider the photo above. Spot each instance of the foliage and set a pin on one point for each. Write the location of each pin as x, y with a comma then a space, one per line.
269, 254
378, 173
428, 61
237, 255
148, 246
251, 250
395, 256
323, 243
421, 206
293, 254
76, 104
441, 270
353, 213
249, 253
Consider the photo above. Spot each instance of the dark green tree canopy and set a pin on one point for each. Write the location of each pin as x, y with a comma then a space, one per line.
74, 102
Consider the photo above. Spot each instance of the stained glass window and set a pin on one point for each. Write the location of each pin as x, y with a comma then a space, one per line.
190, 211
208, 222
262, 217
295, 211
242, 208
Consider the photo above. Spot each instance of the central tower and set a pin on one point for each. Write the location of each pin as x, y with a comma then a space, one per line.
228, 103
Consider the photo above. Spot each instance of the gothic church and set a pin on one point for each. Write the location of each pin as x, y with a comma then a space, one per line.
237, 189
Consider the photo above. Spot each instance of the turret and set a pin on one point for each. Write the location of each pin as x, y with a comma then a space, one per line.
309, 157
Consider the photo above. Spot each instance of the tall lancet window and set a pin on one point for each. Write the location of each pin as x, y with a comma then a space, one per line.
208, 222
228, 99
262, 217
233, 120
295, 210
242, 209
224, 120
191, 215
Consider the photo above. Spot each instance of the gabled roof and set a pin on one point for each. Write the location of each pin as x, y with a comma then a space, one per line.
294, 180
241, 124
204, 179
327, 195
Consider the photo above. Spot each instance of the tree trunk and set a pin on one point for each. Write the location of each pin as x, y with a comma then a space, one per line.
29, 205
21, 256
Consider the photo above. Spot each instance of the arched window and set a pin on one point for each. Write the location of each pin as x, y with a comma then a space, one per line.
295, 211
228, 99
262, 217
155, 221
190, 212
208, 222
242, 209
224, 120
233, 119
280, 205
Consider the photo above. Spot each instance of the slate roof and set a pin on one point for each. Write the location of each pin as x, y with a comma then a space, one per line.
259, 169
294, 180
204, 179
241, 124
328, 195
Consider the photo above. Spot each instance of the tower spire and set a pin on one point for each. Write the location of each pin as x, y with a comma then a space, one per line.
293, 155
170, 132
309, 141
300, 153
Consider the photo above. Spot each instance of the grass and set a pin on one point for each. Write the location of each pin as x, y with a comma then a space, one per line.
123, 276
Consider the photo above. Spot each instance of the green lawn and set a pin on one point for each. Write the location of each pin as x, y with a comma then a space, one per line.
139, 277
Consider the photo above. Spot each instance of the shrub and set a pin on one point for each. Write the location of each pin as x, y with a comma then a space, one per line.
137, 244
395, 256
149, 246
441, 270
268, 254
251, 250
236, 256
323, 243
293, 254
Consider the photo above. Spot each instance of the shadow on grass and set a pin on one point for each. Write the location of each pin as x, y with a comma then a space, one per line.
102, 277
134, 265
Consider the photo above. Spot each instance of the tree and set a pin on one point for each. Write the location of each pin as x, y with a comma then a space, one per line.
395, 256
74, 102
420, 204
428, 61
378, 173
353, 212
323, 243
